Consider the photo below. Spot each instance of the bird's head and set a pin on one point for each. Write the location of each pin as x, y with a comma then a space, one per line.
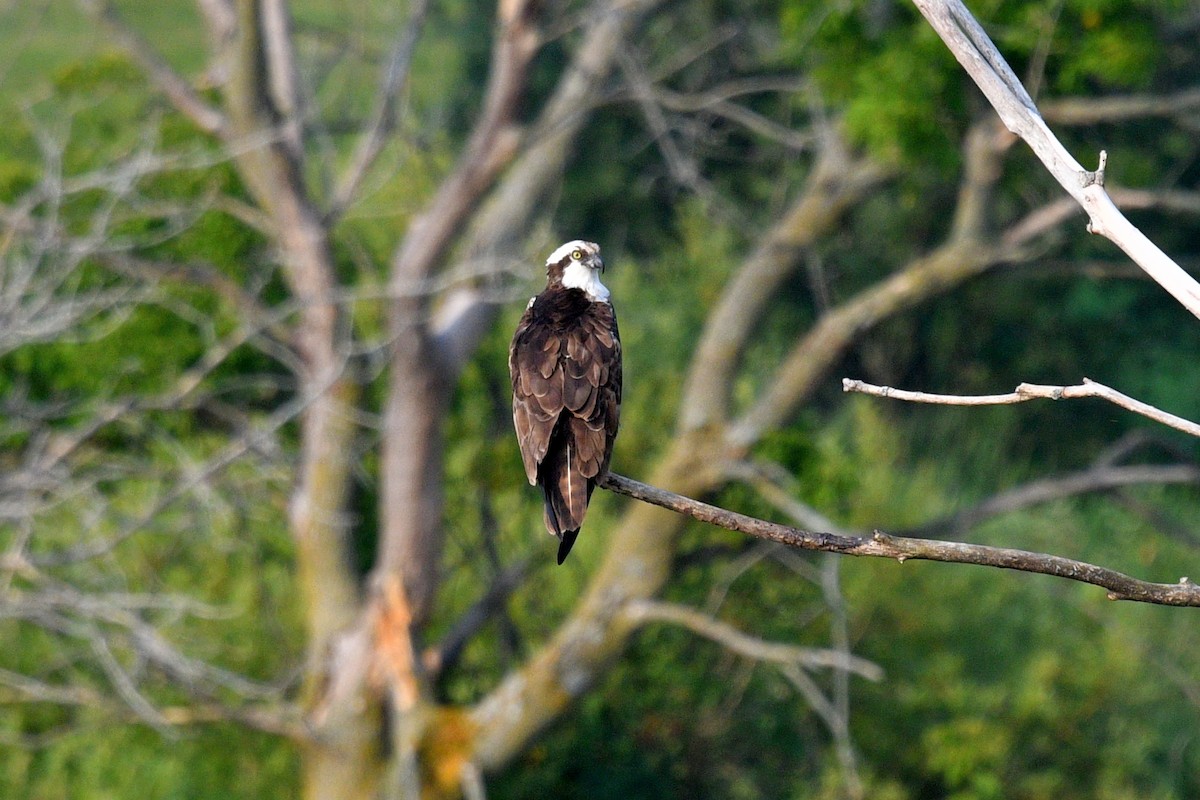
577, 251
577, 265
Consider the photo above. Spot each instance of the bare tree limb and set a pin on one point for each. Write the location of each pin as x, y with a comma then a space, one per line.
445, 654
283, 74
883, 545
278, 718
515, 202
966, 252
491, 146
987, 67
837, 182
374, 135
1053, 214
1094, 479
643, 611
719, 102
1030, 391
172, 84
1090, 111
947, 266
247, 441
684, 169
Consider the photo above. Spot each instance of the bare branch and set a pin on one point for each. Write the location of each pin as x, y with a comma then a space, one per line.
173, 85
684, 169
643, 611
506, 216
445, 654
883, 545
925, 277
250, 439
719, 102
987, 67
492, 145
1088, 481
33, 690
283, 75
1030, 391
281, 720
374, 135
1051, 215
967, 252
1090, 111
837, 181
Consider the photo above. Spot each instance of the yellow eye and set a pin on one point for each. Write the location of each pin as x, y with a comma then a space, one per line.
576, 254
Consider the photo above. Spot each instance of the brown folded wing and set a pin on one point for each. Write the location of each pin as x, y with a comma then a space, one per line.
566, 381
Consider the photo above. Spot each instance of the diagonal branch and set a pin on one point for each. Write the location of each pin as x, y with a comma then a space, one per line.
837, 182
987, 67
171, 83
901, 548
445, 654
492, 144
375, 134
682, 166
946, 267
967, 252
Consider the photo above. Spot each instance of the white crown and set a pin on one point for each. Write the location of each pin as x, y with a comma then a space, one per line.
575, 244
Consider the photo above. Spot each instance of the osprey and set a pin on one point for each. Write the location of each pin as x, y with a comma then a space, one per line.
565, 364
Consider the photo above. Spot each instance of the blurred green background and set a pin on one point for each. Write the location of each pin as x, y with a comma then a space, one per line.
996, 685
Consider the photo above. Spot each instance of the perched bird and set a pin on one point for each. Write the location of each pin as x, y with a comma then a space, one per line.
565, 364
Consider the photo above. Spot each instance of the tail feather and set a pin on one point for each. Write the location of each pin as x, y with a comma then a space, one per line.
550, 515
557, 516
566, 492
566, 543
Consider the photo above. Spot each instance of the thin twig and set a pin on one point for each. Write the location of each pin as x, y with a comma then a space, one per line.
901, 548
1030, 391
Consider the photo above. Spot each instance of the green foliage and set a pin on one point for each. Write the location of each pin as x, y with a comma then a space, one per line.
92, 762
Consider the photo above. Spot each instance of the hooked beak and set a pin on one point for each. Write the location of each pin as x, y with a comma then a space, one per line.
600, 261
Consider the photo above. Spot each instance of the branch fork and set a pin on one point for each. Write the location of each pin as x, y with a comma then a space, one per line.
1096, 178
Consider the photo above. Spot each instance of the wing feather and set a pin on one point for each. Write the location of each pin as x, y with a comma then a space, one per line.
533, 367
567, 381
